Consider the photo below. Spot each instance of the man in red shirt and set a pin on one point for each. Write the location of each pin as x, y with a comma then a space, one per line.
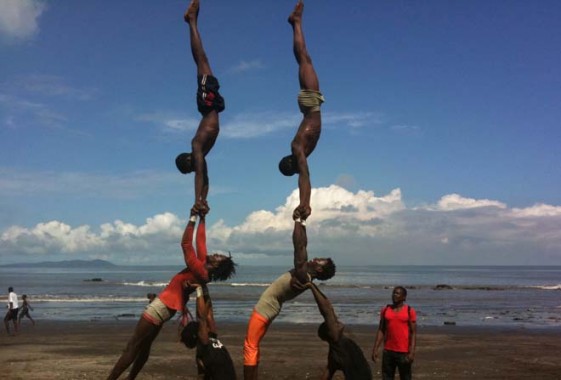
201, 268
398, 331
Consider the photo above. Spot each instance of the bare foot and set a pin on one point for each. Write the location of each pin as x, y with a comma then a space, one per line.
296, 15
192, 12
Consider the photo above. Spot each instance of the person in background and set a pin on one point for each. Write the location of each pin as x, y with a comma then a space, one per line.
309, 101
213, 359
12, 313
151, 297
210, 103
398, 332
25, 307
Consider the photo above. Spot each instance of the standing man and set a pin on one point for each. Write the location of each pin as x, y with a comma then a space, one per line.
12, 313
209, 103
286, 287
309, 101
398, 331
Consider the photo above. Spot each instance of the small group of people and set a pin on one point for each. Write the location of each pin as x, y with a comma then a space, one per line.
212, 358
14, 313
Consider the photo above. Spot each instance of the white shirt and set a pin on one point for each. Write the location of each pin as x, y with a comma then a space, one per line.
13, 298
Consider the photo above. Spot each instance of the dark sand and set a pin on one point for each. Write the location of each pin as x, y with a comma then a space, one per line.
88, 350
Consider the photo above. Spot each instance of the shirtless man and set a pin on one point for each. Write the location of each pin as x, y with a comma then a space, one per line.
213, 359
209, 103
309, 101
286, 287
344, 354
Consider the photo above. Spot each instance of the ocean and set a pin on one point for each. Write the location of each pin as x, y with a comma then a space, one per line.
502, 296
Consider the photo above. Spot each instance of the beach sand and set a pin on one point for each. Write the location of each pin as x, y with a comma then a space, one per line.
88, 350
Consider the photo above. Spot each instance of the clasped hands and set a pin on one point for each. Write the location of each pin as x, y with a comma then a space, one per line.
301, 213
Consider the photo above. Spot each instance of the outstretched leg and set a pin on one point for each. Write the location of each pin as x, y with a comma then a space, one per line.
306, 73
199, 55
137, 350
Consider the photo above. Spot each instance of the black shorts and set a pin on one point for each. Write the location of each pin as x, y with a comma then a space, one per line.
208, 97
12, 314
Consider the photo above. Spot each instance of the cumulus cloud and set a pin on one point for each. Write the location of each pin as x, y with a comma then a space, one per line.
457, 202
19, 19
352, 227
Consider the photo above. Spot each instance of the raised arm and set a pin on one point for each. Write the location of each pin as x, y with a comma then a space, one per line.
202, 313
300, 241
304, 184
201, 240
201, 177
189, 254
325, 307
195, 265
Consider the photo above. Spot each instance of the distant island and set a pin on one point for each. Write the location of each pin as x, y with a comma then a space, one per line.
64, 264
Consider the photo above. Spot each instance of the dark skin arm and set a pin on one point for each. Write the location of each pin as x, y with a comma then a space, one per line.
335, 328
202, 316
304, 184
412, 341
379, 339
300, 242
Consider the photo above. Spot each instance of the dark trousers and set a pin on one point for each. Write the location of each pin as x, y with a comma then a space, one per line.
391, 360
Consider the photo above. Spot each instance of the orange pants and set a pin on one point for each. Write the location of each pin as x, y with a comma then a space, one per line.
256, 330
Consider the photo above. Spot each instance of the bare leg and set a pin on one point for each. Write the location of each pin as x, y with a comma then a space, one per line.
143, 355
7, 323
250, 372
306, 73
199, 55
144, 335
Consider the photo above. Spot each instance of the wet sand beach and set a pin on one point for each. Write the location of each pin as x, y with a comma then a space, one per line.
88, 350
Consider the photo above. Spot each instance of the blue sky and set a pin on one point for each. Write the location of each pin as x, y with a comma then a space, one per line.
440, 141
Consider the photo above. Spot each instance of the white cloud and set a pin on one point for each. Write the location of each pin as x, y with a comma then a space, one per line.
257, 124
538, 210
117, 186
244, 66
352, 227
354, 120
51, 85
19, 18
457, 202
251, 125
21, 112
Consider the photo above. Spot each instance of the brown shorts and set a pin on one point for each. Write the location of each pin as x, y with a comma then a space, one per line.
310, 101
157, 312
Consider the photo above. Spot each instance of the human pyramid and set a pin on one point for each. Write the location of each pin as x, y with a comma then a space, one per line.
212, 357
